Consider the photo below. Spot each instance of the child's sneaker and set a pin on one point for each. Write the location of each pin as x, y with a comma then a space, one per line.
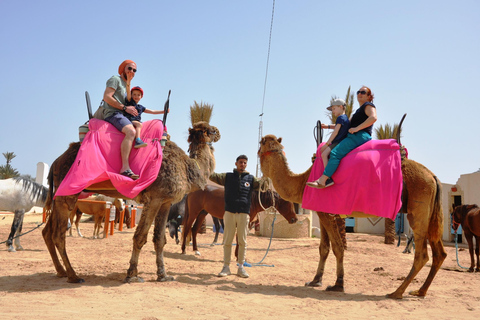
139, 143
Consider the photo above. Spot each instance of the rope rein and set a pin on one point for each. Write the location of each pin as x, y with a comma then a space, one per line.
267, 186
38, 226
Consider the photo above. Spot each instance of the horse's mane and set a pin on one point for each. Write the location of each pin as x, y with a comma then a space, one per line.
38, 192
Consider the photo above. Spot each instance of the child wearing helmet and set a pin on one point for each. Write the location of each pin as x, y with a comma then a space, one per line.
133, 99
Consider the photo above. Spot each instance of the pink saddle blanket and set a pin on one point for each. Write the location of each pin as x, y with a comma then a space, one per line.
368, 180
99, 159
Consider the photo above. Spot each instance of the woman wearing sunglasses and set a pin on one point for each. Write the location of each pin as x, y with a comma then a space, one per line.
360, 131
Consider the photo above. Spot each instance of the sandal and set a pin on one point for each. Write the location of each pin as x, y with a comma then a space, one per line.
315, 184
129, 173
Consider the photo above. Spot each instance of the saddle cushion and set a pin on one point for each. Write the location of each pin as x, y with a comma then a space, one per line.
368, 180
99, 160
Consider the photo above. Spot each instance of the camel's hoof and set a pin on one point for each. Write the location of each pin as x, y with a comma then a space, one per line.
133, 279
394, 296
11, 249
335, 288
470, 270
415, 293
197, 253
20, 248
213, 244
76, 280
177, 241
313, 284
165, 279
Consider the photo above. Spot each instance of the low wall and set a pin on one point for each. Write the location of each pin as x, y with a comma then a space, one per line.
281, 228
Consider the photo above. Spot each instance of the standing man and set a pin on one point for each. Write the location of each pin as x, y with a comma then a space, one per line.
239, 186
114, 108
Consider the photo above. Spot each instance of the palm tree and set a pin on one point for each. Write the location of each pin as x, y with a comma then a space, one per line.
388, 132
7, 171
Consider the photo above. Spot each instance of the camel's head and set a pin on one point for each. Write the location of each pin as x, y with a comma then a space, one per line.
270, 143
202, 132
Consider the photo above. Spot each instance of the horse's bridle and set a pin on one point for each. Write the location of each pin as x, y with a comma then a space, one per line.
455, 224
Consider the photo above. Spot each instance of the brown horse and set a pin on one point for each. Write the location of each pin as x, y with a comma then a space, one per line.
212, 200
469, 217
95, 208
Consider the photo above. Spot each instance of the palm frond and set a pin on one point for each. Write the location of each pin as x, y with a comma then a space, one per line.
200, 112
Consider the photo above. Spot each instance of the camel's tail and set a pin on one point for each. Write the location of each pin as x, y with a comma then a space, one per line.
435, 229
49, 201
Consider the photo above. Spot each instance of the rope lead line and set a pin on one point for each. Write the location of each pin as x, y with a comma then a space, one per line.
38, 226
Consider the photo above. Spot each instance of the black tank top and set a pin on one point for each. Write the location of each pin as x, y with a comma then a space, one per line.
360, 116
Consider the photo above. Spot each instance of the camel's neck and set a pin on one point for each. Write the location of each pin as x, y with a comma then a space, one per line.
203, 155
289, 185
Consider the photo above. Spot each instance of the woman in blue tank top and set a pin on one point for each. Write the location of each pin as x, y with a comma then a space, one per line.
360, 132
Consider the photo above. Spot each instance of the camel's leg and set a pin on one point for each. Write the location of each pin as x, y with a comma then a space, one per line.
62, 206
160, 239
329, 226
150, 210
438, 255
419, 261
469, 237
47, 234
324, 249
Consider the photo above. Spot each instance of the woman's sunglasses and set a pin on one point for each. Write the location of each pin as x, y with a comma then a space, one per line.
135, 70
358, 92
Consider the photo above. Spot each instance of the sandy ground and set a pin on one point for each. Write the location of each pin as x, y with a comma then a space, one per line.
29, 288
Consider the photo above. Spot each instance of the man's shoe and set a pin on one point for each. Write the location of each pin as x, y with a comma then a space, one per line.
242, 273
225, 272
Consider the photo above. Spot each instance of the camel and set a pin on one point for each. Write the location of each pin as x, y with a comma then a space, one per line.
178, 175
423, 207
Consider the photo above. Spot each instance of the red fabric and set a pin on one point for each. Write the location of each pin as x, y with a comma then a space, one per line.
368, 180
99, 159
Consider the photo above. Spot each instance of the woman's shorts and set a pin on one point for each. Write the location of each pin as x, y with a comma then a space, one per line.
118, 120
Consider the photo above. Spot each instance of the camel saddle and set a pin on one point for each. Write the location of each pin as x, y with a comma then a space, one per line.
368, 180
98, 162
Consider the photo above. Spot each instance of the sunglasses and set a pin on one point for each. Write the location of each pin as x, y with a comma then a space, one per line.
361, 92
130, 69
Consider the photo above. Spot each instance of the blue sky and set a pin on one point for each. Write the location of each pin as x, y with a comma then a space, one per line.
418, 57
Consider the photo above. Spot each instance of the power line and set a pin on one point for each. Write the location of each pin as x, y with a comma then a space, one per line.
260, 126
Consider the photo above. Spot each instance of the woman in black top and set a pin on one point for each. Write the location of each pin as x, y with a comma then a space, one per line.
360, 132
